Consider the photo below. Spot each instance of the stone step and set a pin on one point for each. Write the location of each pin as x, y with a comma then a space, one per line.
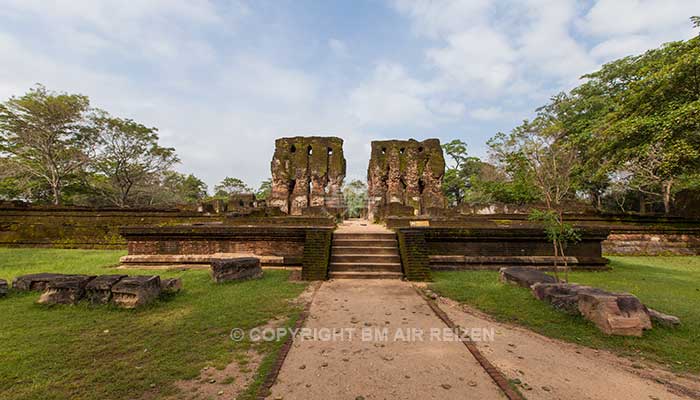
364, 236
356, 266
367, 258
365, 243
365, 275
342, 250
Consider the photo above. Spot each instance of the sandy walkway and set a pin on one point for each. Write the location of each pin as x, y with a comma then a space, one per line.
377, 369
353, 367
555, 370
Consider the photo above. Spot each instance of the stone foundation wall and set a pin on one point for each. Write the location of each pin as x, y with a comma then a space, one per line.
493, 248
629, 235
305, 246
74, 227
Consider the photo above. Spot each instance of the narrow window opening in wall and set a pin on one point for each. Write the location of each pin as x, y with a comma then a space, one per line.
241, 203
402, 150
309, 150
293, 149
330, 151
383, 150
421, 186
420, 149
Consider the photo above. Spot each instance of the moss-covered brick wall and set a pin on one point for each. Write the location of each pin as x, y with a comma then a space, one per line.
74, 227
317, 254
629, 234
414, 254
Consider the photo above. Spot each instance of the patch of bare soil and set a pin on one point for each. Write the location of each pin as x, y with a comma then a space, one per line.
225, 383
551, 369
235, 378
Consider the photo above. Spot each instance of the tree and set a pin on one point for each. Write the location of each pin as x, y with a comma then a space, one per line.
454, 182
656, 117
263, 192
47, 136
128, 156
457, 150
355, 194
541, 154
229, 186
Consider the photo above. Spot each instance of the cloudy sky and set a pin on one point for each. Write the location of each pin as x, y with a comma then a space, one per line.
222, 79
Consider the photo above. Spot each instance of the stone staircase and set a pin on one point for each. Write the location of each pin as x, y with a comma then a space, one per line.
369, 254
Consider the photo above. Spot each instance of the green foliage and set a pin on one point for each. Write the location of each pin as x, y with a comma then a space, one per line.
55, 148
229, 186
129, 156
264, 191
46, 137
355, 195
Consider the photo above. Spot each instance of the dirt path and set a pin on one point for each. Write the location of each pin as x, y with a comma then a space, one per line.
551, 369
352, 366
322, 368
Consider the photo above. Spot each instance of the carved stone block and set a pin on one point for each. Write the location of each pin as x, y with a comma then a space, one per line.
135, 291
99, 290
235, 269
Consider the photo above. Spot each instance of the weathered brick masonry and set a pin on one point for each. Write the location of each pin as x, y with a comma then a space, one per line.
76, 227
629, 235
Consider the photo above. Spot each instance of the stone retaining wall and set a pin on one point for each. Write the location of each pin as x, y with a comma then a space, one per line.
629, 235
77, 227
293, 246
493, 248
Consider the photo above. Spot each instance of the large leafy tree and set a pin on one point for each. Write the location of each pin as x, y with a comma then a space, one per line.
47, 136
129, 156
652, 131
229, 186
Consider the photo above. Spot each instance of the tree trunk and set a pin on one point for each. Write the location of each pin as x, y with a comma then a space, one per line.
667, 195
56, 191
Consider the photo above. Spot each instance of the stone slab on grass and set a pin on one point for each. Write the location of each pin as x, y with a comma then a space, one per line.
669, 321
65, 290
34, 282
171, 285
3, 287
99, 290
613, 313
236, 269
135, 291
524, 277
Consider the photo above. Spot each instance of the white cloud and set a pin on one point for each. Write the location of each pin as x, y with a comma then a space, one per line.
338, 47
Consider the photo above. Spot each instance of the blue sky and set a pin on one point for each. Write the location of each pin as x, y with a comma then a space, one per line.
223, 79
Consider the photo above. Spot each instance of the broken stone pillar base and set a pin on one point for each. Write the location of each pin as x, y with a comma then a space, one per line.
669, 321
34, 282
235, 269
3, 287
135, 291
613, 313
524, 277
99, 290
171, 285
65, 290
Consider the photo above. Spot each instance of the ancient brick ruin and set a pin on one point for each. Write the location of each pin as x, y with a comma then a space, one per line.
405, 172
307, 172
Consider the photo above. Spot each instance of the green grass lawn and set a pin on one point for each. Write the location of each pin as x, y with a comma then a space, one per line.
101, 352
668, 284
